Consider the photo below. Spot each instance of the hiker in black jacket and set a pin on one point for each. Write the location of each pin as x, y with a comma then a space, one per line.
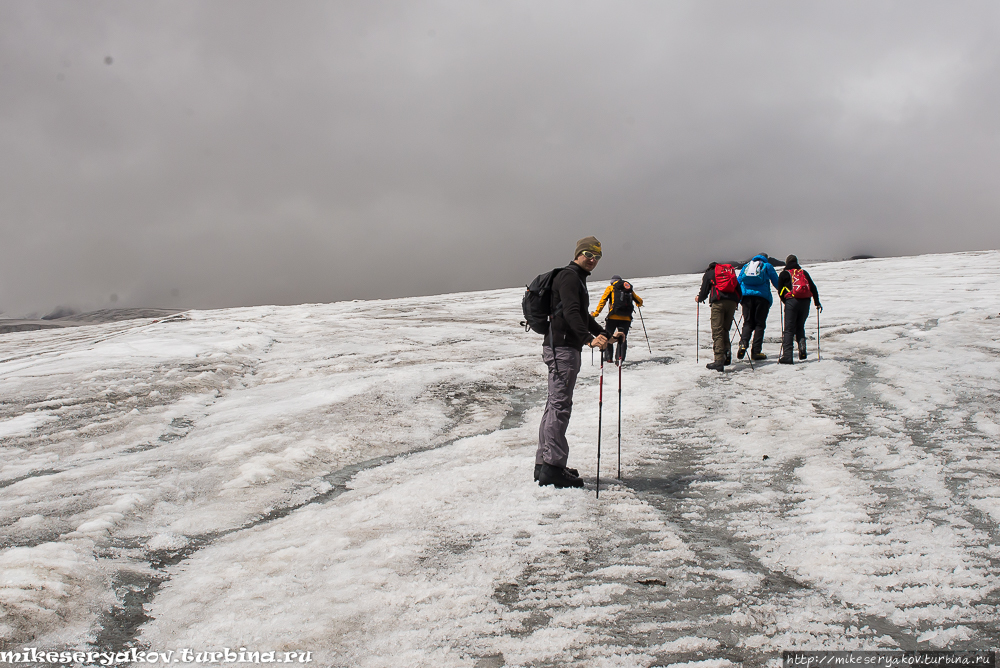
724, 302
571, 328
795, 288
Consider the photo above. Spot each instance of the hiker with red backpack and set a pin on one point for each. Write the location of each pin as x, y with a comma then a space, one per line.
621, 300
795, 289
722, 289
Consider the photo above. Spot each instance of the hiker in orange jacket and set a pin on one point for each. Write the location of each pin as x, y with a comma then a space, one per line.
621, 300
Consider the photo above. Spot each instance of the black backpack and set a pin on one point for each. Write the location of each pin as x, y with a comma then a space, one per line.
537, 303
621, 298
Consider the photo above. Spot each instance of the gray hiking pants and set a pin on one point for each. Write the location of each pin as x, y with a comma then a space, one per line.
563, 370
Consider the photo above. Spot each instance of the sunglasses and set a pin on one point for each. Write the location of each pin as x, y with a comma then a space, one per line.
591, 256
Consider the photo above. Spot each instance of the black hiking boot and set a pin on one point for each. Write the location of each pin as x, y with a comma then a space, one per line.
783, 360
558, 477
729, 358
802, 349
741, 352
716, 366
756, 357
538, 471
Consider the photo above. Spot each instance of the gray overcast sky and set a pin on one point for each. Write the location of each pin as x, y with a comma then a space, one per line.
226, 153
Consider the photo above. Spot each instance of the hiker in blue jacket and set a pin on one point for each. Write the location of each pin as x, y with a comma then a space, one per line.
754, 278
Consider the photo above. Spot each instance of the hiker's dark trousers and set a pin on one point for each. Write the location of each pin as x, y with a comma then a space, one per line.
722, 319
563, 370
755, 311
617, 351
796, 312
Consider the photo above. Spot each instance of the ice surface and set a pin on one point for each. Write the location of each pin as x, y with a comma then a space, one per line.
353, 480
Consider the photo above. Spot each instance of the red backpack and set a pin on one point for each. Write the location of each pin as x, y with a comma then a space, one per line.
800, 284
725, 278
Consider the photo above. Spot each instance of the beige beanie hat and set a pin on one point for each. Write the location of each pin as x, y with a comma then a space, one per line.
587, 244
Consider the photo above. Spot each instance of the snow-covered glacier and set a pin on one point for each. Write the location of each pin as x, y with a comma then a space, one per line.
353, 481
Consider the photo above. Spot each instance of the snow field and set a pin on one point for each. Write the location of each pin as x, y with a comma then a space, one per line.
250, 467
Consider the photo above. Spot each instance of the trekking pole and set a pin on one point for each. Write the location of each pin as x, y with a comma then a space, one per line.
818, 355
619, 417
644, 330
739, 320
739, 328
600, 407
697, 330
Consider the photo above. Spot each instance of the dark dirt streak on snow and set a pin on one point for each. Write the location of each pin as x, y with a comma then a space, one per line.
664, 482
134, 588
531, 597
679, 600
76, 413
854, 411
34, 474
536, 596
928, 436
85, 413
986, 631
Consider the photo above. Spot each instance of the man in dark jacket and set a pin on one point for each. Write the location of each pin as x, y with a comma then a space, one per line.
724, 299
795, 288
570, 329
